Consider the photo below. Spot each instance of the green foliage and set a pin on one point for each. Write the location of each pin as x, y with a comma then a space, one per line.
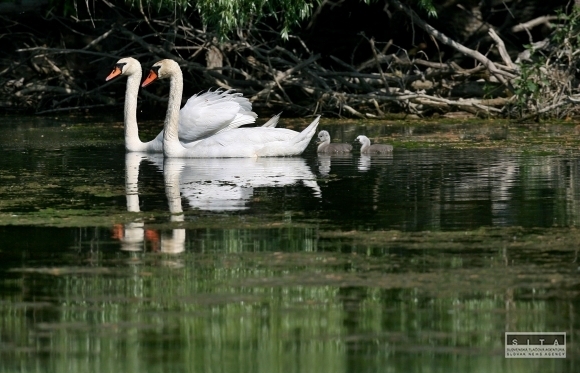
160, 5
426, 5
228, 15
547, 74
64, 7
529, 85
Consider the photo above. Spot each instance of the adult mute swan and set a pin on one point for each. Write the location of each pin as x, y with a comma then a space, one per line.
326, 147
203, 115
235, 143
367, 148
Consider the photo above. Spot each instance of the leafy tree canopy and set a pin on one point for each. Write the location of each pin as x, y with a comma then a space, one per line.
226, 16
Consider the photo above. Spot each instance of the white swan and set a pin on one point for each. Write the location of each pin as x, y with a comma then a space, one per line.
203, 115
367, 148
330, 148
239, 142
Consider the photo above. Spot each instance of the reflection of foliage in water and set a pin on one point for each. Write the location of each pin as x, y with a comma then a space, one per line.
379, 297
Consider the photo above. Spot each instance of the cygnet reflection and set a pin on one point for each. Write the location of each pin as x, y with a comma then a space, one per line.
364, 162
327, 161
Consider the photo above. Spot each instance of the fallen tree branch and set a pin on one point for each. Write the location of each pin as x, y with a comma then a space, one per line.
42, 88
74, 108
64, 51
280, 76
501, 48
543, 20
498, 73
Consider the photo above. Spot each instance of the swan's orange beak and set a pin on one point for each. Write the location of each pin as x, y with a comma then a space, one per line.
150, 78
115, 73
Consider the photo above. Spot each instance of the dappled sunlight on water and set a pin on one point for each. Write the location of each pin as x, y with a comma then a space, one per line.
417, 261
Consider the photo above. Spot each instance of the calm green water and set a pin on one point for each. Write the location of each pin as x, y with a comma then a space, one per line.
415, 262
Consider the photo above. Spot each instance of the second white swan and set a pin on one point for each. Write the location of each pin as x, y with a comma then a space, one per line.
235, 143
203, 115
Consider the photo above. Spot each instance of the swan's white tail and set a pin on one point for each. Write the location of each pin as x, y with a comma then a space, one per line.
302, 140
293, 146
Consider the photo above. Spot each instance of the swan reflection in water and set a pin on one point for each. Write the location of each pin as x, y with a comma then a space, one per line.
133, 235
227, 184
213, 184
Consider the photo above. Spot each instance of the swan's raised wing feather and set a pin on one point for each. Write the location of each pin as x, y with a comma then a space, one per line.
273, 122
212, 112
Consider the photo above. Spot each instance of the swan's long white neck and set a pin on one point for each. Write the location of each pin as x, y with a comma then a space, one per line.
132, 141
171, 145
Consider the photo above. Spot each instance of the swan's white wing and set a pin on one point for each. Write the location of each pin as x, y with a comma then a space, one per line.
240, 142
248, 142
273, 122
212, 112
247, 137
